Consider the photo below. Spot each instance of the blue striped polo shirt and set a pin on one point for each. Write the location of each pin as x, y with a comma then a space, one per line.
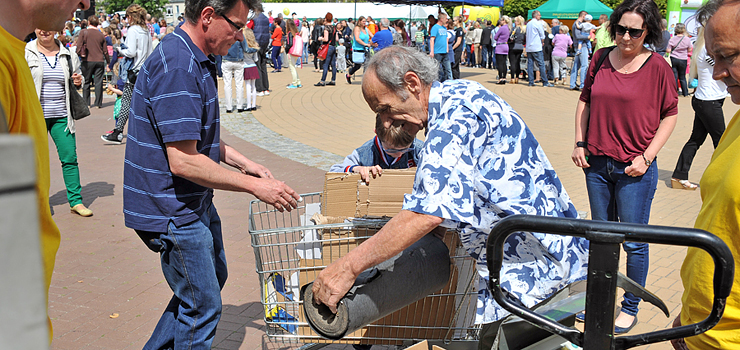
175, 99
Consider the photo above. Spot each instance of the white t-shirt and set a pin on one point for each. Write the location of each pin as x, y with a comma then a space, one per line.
708, 88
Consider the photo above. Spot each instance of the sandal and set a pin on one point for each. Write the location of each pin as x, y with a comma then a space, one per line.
683, 184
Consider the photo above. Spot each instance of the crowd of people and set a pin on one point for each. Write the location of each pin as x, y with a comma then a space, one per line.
533, 50
171, 166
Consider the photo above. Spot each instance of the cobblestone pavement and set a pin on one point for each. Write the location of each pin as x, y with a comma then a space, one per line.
103, 268
246, 127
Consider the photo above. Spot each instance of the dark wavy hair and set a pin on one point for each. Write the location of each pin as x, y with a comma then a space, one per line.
650, 15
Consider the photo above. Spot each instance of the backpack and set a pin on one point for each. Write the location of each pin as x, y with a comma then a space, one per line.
316, 33
333, 35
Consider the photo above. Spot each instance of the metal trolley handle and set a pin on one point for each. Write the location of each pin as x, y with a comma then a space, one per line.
609, 235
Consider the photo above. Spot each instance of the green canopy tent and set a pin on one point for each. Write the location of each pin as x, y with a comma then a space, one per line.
569, 9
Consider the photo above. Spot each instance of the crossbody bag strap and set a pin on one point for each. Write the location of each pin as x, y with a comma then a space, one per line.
678, 43
69, 80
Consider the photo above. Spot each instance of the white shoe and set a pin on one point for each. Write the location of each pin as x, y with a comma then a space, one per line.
267, 92
260, 94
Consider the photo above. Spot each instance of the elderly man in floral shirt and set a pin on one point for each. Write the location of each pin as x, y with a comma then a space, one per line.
479, 164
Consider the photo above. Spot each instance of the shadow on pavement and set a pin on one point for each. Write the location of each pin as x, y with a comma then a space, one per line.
90, 193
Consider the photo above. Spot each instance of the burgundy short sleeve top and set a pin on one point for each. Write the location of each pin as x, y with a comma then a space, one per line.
626, 109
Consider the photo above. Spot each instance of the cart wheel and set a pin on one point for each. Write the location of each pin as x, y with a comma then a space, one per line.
316, 346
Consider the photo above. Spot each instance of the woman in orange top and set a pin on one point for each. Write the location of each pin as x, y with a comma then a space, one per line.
277, 43
371, 26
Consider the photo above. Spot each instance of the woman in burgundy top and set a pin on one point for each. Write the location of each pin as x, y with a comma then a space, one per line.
626, 113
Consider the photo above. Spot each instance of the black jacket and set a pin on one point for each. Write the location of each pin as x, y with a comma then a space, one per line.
485, 37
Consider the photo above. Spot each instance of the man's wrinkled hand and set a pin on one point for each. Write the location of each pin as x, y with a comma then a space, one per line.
332, 285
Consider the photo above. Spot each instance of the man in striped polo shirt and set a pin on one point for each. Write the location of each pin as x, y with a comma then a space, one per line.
172, 167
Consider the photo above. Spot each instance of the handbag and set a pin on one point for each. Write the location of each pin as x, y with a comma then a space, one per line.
667, 57
77, 105
512, 36
323, 51
297, 48
132, 74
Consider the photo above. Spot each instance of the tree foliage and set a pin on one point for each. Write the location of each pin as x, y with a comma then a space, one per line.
304, 1
662, 5
514, 8
153, 7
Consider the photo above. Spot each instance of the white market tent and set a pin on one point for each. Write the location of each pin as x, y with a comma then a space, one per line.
344, 10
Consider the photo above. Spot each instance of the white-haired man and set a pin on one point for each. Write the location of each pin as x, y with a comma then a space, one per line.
479, 164
383, 38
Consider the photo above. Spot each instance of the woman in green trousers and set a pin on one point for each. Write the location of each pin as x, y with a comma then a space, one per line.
49, 62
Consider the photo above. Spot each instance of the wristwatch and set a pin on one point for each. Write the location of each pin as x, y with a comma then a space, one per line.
647, 162
582, 144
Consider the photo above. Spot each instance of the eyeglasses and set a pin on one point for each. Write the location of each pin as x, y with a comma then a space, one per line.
391, 150
238, 27
634, 33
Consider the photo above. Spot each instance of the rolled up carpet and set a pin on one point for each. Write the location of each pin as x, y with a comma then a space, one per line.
421, 269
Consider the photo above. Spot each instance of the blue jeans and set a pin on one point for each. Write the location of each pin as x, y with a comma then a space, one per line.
194, 265
445, 69
277, 60
580, 65
615, 196
304, 57
489, 60
540, 58
330, 62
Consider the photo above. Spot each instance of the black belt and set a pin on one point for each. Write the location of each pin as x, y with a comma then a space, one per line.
358, 50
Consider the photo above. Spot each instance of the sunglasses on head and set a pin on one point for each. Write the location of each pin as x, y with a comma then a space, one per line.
634, 33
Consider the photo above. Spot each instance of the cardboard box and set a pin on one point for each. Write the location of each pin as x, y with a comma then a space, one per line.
424, 345
336, 242
347, 195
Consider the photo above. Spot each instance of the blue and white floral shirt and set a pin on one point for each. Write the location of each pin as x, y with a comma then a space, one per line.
479, 164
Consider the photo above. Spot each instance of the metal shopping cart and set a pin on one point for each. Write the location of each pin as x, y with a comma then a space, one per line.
290, 250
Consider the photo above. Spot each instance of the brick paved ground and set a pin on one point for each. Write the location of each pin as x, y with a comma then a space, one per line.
103, 268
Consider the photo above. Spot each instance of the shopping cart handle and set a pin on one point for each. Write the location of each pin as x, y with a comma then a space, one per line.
611, 232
